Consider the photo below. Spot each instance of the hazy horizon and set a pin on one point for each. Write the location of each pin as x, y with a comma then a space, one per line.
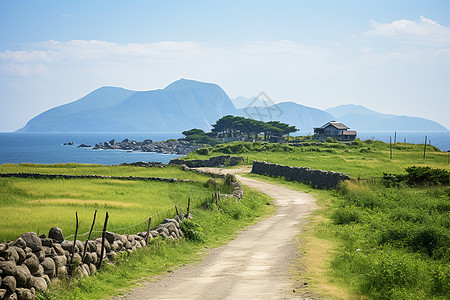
393, 58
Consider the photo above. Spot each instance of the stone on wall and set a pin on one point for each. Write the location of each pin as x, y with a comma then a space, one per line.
317, 178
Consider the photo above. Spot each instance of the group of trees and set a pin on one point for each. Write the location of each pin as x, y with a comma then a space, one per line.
231, 126
235, 126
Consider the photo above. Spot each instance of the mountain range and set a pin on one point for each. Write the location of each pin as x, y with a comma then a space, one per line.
186, 104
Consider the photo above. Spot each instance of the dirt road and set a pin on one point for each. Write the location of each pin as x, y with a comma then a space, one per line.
255, 265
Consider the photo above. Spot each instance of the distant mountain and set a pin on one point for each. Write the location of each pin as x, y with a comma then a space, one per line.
182, 105
187, 104
361, 118
303, 117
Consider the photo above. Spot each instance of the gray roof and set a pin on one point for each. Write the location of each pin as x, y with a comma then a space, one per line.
337, 125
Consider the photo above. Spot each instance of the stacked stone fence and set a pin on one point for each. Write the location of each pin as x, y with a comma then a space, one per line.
62, 176
30, 263
215, 161
317, 178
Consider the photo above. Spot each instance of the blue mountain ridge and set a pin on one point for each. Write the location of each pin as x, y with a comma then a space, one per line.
186, 104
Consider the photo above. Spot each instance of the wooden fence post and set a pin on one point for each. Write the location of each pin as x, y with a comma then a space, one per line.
189, 205
148, 231
74, 239
425, 147
89, 236
103, 241
176, 210
390, 146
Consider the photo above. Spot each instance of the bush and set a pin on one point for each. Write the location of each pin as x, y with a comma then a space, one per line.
346, 215
430, 240
387, 276
203, 151
418, 176
192, 230
233, 208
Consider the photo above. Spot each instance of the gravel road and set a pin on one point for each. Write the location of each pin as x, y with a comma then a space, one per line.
255, 265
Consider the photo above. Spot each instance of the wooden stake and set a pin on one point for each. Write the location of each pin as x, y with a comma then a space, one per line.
148, 231
103, 241
181, 212
395, 137
74, 239
176, 210
89, 236
189, 205
390, 146
425, 147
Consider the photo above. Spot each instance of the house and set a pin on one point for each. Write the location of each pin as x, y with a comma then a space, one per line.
334, 130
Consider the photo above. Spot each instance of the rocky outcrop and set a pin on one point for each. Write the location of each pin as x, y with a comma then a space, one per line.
180, 147
317, 178
215, 161
29, 264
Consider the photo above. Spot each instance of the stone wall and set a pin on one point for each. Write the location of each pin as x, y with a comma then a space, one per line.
30, 263
216, 161
317, 178
53, 176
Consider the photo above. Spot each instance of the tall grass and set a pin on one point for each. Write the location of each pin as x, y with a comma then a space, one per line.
39, 204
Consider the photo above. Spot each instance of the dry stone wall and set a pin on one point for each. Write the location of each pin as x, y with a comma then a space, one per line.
30, 263
317, 178
215, 161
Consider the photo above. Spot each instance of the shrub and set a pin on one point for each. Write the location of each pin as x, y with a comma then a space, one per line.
346, 215
388, 274
192, 230
418, 176
203, 151
233, 208
430, 240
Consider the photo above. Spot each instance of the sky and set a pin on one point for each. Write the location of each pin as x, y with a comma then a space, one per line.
390, 56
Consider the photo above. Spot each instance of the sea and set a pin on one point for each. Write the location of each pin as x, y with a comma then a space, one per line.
49, 148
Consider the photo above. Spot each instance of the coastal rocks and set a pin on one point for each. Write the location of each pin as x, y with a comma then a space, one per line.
216, 161
84, 146
180, 147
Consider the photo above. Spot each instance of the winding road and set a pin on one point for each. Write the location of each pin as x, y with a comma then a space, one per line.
255, 265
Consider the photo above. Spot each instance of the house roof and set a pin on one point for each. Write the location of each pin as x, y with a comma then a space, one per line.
337, 125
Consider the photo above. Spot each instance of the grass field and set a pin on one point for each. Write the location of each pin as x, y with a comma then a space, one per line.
218, 226
365, 159
369, 240
39, 204
94, 169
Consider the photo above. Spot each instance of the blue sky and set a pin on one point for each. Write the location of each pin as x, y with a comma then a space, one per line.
390, 56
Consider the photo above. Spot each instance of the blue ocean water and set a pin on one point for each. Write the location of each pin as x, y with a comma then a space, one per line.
49, 148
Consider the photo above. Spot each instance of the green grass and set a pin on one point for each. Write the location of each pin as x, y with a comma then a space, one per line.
39, 204
93, 169
377, 242
219, 227
365, 159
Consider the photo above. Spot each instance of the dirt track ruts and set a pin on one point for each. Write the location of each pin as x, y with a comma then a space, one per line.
255, 265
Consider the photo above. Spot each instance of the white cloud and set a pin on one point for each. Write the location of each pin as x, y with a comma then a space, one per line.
423, 31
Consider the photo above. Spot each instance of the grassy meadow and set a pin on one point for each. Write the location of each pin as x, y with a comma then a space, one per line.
364, 159
28, 204
371, 240
217, 225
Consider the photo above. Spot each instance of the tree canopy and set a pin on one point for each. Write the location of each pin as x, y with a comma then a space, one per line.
231, 125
